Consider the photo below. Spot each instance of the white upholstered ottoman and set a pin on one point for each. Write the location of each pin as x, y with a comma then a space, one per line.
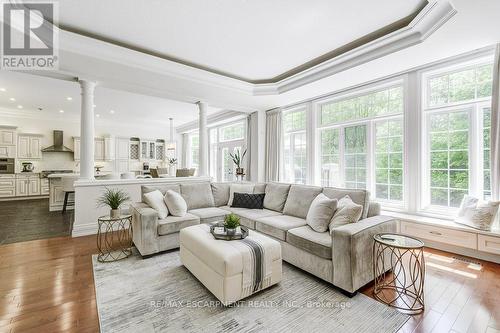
231, 270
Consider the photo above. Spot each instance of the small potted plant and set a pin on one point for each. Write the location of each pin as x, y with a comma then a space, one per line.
237, 160
113, 198
231, 222
172, 162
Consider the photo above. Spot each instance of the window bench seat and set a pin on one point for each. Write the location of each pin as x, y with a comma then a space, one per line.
449, 236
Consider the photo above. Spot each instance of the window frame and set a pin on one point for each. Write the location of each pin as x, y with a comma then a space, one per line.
293, 133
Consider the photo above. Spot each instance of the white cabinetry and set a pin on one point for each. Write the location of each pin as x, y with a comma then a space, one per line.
148, 150
103, 149
7, 151
27, 185
7, 186
122, 154
7, 135
56, 200
29, 146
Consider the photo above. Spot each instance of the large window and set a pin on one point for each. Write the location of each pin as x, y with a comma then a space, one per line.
456, 139
294, 146
225, 140
361, 142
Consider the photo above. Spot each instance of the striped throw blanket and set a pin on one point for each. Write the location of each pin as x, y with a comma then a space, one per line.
257, 262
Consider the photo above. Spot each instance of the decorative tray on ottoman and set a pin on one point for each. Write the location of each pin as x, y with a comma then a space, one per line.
219, 231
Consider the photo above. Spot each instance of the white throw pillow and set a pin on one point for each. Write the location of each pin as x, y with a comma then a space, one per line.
154, 200
175, 203
481, 216
347, 212
467, 202
321, 212
239, 188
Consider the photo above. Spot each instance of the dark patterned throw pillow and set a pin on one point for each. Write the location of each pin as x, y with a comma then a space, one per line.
247, 200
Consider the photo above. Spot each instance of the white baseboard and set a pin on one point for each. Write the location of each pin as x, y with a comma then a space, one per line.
84, 230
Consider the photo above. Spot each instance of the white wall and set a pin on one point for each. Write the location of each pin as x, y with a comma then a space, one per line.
39, 124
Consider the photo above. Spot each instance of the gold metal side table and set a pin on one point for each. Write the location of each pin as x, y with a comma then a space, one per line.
403, 286
114, 238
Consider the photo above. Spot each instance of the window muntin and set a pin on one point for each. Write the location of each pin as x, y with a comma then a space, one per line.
375, 104
460, 86
235, 131
449, 157
457, 145
353, 143
486, 153
194, 144
389, 160
295, 146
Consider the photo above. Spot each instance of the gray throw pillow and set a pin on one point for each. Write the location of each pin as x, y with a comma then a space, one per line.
175, 203
347, 212
321, 212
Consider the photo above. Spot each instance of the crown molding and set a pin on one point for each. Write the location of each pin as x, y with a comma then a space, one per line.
425, 23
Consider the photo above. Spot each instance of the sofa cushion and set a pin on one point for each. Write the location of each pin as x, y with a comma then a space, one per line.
358, 196
172, 224
239, 188
249, 216
162, 188
277, 226
248, 200
210, 214
220, 191
259, 188
154, 200
176, 204
321, 212
305, 238
197, 195
299, 200
276, 195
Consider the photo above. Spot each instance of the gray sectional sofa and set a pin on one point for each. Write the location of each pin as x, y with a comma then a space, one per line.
343, 257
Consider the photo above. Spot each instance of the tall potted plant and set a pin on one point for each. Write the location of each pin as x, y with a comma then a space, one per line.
238, 160
113, 198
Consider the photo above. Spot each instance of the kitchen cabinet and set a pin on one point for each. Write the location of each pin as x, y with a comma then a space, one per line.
7, 135
7, 186
56, 196
27, 185
7, 151
29, 146
100, 152
44, 186
122, 154
148, 150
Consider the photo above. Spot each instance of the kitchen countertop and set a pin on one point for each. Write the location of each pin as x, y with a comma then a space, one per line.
63, 175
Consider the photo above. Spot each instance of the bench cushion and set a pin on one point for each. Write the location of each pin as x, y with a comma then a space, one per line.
276, 194
210, 214
249, 216
197, 195
172, 224
317, 243
277, 226
299, 200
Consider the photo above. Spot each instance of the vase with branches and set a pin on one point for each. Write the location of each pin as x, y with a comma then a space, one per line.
237, 158
113, 198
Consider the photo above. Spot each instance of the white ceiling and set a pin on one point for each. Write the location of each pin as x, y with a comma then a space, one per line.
33, 92
251, 39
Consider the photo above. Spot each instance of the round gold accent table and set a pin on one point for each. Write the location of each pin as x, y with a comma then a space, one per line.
403, 286
114, 238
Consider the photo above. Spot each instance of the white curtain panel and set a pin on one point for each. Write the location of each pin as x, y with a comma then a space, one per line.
273, 144
184, 152
495, 129
248, 147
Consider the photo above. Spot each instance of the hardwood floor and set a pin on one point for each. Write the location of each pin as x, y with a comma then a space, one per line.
47, 286
24, 220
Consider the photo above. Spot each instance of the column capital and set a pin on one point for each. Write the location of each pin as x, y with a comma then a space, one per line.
87, 84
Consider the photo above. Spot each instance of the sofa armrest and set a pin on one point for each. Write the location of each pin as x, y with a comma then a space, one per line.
145, 228
352, 248
373, 209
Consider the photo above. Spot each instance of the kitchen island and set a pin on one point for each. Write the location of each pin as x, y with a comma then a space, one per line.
87, 192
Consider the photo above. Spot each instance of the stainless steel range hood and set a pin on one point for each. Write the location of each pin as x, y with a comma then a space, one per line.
58, 146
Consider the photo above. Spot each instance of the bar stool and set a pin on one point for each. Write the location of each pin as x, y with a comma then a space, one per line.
68, 188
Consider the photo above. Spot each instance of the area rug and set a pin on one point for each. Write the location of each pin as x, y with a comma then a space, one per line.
158, 294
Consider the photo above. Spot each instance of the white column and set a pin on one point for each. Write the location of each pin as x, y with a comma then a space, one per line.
203, 135
87, 130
